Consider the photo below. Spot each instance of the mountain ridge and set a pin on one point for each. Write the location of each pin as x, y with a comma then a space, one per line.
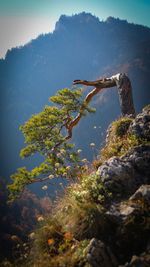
64, 18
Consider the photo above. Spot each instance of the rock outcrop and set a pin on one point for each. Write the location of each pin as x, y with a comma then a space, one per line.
141, 125
127, 178
100, 255
143, 260
123, 175
104, 219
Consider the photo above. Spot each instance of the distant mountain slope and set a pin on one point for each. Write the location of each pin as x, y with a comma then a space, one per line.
81, 46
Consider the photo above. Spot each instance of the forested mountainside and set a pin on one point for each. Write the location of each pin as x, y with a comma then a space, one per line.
81, 46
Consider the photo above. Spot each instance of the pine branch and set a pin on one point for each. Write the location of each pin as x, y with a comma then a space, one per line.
99, 85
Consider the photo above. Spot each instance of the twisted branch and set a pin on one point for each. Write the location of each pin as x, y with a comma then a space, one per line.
99, 85
125, 97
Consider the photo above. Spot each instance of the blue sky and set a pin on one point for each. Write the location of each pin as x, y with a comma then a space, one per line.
23, 20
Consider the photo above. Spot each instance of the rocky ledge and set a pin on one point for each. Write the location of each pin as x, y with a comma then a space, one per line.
127, 177
103, 220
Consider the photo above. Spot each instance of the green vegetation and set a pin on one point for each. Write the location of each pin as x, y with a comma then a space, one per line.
119, 141
81, 213
47, 133
62, 238
78, 216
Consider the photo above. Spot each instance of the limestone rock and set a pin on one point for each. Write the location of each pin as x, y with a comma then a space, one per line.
128, 179
132, 224
122, 176
143, 193
99, 255
141, 125
139, 261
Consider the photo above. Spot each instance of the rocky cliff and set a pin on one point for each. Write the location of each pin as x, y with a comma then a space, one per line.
103, 219
127, 177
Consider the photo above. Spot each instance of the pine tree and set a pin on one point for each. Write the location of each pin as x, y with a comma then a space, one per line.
47, 133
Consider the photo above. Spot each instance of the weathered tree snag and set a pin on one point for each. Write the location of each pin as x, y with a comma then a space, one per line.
124, 90
125, 95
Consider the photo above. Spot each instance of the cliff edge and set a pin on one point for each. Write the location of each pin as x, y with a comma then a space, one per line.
103, 219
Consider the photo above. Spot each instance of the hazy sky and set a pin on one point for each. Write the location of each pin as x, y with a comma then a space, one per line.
23, 20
